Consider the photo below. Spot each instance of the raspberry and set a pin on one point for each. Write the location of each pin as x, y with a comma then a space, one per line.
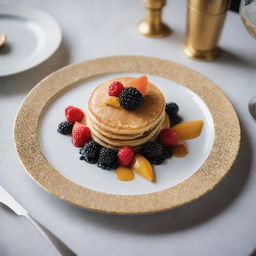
125, 156
74, 114
65, 128
171, 108
80, 134
115, 88
90, 152
167, 137
107, 159
130, 98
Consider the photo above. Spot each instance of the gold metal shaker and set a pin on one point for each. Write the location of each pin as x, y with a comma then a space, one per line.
205, 19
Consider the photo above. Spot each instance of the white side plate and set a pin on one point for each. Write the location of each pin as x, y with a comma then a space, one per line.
32, 37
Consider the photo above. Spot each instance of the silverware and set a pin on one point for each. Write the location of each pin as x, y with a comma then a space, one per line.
2, 39
9, 201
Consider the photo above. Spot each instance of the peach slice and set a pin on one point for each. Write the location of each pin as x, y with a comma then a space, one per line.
143, 167
124, 173
188, 130
113, 102
140, 83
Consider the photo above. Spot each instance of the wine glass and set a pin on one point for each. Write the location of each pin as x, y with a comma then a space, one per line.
247, 12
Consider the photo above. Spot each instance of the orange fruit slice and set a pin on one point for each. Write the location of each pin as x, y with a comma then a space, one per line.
140, 83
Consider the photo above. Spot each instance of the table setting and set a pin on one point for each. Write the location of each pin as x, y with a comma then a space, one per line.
127, 128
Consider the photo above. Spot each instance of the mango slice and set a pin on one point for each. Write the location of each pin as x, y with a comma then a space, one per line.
124, 173
113, 102
140, 83
188, 130
143, 167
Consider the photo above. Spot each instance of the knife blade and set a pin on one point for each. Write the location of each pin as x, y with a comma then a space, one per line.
9, 201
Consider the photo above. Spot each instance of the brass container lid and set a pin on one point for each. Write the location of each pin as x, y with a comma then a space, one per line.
210, 6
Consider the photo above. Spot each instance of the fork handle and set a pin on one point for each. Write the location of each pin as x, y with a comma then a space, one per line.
51, 238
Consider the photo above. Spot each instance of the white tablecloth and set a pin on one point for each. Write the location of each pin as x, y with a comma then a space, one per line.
221, 223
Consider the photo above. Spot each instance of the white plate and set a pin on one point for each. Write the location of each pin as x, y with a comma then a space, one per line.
64, 157
32, 37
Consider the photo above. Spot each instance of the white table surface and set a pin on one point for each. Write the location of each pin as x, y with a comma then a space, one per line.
221, 223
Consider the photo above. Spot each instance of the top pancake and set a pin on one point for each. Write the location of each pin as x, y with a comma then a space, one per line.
125, 121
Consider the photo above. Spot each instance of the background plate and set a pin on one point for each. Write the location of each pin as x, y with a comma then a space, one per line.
32, 37
53, 162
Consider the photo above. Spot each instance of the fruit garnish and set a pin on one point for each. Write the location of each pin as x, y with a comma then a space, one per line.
107, 159
113, 102
188, 130
171, 108
80, 134
124, 173
180, 150
130, 98
90, 152
73, 114
143, 167
140, 83
167, 137
174, 120
125, 156
115, 88
153, 152
65, 128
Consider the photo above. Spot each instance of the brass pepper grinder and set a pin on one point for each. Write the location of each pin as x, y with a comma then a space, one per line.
205, 19
153, 26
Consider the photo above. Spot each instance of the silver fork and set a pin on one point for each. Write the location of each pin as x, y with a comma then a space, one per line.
9, 201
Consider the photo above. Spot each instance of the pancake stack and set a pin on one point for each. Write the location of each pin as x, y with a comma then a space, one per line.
116, 127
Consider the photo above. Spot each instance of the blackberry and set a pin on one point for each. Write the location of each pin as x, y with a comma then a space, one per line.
130, 98
65, 128
107, 159
153, 151
167, 152
90, 152
175, 119
171, 109
157, 161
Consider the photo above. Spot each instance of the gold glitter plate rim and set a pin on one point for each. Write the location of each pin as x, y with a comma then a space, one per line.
223, 153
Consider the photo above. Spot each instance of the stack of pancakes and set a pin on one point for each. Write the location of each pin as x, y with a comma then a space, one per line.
116, 127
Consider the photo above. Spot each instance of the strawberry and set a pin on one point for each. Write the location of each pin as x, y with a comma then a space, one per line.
167, 137
74, 114
125, 156
80, 134
115, 88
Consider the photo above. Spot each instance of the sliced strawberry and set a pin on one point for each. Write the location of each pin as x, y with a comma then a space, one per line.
140, 83
80, 134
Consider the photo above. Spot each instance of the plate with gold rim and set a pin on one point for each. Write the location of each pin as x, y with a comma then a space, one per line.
52, 161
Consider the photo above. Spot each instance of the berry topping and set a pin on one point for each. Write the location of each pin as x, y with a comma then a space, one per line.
107, 159
125, 156
167, 152
65, 128
175, 120
171, 109
153, 151
90, 152
113, 102
80, 134
130, 98
115, 89
141, 84
73, 114
167, 137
